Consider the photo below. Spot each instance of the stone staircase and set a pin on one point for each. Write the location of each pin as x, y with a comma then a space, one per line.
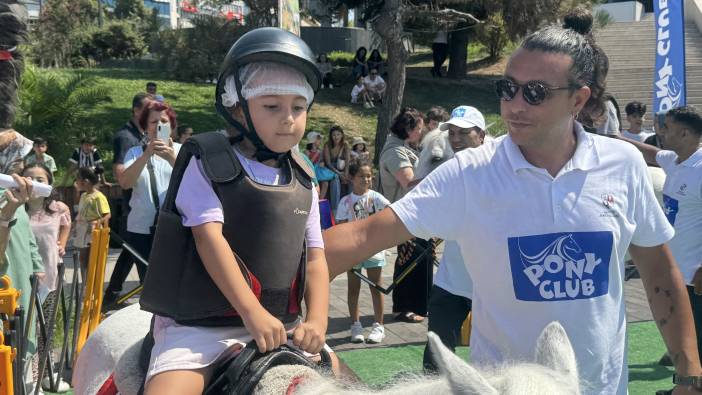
630, 47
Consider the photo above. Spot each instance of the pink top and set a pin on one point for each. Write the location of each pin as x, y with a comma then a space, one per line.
198, 204
45, 227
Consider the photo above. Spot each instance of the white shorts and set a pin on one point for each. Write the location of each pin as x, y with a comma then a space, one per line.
181, 347
83, 235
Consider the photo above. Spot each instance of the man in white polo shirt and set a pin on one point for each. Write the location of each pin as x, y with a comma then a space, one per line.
543, 217
682, 196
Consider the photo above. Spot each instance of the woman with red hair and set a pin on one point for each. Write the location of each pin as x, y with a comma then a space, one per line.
147, 173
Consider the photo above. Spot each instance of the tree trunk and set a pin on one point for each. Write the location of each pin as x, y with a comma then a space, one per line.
458, 54
389, 26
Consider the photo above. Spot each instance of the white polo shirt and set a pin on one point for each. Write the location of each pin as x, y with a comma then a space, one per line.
542, 248
682, 201
452, 274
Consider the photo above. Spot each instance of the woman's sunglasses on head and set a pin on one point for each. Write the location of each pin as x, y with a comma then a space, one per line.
533, 92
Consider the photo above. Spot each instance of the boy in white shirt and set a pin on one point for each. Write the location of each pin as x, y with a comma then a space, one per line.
635, 112
359, 90
375, 85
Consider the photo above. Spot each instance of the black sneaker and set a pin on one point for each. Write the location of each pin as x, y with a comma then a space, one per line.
109, 300
664, 392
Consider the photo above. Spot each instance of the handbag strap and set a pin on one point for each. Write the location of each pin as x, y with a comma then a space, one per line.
152, 188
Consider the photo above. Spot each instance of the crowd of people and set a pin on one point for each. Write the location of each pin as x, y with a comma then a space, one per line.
536, 223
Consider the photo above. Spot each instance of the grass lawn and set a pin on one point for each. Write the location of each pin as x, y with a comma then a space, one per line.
378, 366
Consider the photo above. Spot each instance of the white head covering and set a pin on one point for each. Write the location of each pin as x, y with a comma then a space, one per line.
267, 78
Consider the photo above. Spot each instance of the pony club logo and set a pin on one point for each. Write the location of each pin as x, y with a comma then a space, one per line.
560, 266
458, 113
670, 208
608, 200
683, 190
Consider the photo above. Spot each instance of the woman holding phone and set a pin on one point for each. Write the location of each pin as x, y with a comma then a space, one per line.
147, 172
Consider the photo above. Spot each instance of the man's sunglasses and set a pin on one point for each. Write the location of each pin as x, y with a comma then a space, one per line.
533, 92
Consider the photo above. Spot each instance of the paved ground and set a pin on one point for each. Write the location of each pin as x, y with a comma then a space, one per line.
398, 333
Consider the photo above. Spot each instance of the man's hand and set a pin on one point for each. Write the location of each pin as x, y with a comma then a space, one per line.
16, 197
697, 281
267, 330
309, 336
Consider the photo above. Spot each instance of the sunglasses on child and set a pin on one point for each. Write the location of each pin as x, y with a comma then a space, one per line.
533, 92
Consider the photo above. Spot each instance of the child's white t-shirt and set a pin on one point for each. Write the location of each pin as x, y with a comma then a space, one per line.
355, 92
354, 207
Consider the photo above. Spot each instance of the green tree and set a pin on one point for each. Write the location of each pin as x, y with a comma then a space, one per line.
57, 107
59, 32
116, 40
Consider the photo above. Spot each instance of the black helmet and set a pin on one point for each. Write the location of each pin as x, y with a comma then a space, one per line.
267, 44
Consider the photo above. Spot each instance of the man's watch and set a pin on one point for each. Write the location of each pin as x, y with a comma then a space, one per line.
693, 381
7, 223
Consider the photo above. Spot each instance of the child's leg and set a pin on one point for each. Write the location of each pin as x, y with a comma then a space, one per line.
375, 275
84, 257
354, 290
178, 382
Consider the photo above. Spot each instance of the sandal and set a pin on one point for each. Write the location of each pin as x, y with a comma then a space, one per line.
409, 317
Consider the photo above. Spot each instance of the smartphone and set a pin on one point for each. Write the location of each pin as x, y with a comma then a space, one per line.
163, 131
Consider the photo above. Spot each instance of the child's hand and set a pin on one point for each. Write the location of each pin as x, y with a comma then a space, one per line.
61, 248
267, 330
309, 336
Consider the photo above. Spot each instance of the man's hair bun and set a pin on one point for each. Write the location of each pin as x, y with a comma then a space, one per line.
578, 19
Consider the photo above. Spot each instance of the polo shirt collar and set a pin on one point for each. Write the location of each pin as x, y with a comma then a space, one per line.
694, 159
584, 158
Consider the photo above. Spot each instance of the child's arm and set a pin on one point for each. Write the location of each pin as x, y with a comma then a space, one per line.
310, 335
105, 220
219, 262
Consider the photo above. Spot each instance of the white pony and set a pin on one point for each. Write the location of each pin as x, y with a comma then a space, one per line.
115, 346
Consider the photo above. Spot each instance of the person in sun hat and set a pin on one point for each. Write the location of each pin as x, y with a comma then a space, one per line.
359, 150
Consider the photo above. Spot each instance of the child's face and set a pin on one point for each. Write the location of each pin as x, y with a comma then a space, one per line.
359, 147
635, 121
82, 184
359, 81
279, 120
40, 149
363, 180
87, 147
37, 174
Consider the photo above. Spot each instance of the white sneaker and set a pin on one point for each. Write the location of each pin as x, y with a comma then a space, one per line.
357, 333
377, 334
367, 105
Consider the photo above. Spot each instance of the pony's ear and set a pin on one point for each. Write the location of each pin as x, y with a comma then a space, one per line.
462, 378
553, 350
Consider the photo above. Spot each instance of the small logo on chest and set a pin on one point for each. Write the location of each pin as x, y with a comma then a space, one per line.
300, 212
609, 203
683, 190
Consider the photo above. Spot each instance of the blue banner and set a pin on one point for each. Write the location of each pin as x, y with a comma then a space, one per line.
669, 78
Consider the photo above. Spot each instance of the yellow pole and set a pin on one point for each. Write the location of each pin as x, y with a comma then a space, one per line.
89, 286
465, 330
99, 281
9, 298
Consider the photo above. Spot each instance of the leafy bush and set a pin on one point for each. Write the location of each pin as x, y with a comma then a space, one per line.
340, 58
196, 53
56, 107
116, 40
493, 35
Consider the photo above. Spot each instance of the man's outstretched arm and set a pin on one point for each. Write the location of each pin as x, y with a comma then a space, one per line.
348, 244
670, 305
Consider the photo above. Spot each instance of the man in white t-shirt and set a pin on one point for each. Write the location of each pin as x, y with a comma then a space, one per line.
682, 197
375, 85
635, 112
543, 217
450, 300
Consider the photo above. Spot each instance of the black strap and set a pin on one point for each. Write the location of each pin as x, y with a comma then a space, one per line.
152, 188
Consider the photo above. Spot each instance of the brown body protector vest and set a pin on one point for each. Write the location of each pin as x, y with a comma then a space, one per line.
263, 224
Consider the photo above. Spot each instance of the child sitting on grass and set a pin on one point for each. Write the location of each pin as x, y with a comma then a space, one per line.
359, 90
361, 203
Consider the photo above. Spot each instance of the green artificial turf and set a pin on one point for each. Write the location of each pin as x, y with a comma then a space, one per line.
379, 366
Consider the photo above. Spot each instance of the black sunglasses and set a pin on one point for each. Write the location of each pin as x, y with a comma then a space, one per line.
533, 92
